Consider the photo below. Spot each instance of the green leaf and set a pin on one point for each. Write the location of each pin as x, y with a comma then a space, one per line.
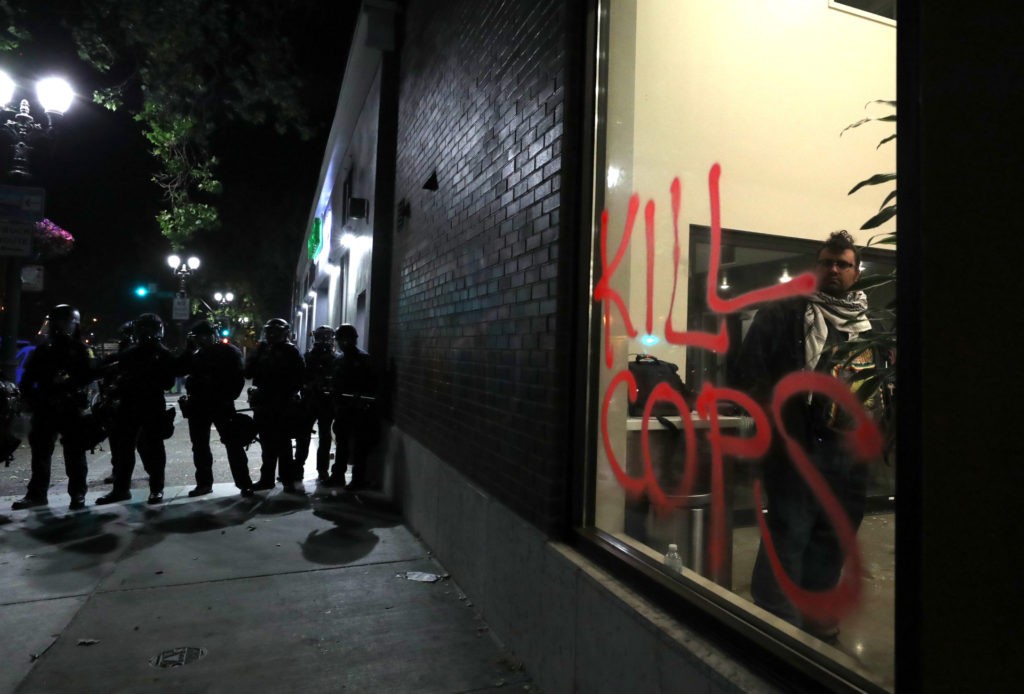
884, 215
868, 388
888, 198
875, 180
890, 138
859, 123
886, 238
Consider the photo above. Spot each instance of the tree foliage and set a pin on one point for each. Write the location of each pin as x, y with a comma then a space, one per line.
11, 20
183, 69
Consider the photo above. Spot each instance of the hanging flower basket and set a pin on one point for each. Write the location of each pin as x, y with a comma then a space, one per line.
51, 241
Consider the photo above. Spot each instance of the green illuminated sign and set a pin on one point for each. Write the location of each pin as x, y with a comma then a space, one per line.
316, 240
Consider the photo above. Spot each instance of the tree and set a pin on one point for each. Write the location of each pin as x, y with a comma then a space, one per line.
184, 69
11, 33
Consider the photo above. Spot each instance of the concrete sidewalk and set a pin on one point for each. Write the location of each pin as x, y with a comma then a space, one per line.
222, 594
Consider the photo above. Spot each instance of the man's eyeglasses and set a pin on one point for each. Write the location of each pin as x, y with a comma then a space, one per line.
840, 264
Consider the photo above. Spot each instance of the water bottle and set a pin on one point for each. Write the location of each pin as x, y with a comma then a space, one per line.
673, 561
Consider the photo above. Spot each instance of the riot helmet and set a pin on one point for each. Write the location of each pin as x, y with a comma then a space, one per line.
64, 320
241, 430
148, 327
323, 335
202, 332
276, 331
346, 335
126, 333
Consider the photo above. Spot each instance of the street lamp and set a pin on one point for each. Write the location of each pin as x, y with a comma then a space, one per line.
183, 268
55, 96
223, 316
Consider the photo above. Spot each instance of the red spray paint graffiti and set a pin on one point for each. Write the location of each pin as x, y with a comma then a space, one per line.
864, 440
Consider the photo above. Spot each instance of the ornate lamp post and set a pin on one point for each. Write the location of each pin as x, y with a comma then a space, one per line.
224, 321
180, 308
21, 128
183, 268
55, 95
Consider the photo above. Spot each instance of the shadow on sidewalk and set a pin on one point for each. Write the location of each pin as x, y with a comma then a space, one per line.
120, 531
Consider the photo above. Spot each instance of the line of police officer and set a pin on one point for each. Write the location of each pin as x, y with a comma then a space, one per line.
289, 396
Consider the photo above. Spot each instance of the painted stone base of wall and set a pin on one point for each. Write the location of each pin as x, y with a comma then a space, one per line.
575, 628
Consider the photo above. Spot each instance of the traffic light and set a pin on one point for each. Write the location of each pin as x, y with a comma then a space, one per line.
142, 291
225, 332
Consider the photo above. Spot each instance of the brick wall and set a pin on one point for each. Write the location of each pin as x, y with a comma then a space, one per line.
475, 316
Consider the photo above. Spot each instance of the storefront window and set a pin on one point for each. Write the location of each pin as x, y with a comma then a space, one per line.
721, 173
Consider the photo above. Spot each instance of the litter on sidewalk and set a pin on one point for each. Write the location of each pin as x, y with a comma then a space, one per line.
422, 576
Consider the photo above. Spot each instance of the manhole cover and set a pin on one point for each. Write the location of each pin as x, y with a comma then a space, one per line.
176, 657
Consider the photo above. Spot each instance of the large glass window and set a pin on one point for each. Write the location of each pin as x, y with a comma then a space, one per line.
721, 171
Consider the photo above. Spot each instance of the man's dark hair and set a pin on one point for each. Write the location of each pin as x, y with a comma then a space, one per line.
839, 241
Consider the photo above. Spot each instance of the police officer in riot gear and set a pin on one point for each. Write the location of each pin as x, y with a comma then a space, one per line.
54, 384
354, 391
214, 379
141, 374
276, 370
317, 404
126, 338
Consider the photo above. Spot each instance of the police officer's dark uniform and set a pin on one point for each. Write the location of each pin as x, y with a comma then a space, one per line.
317, 404
53, 386
214, 379
141, 374
354, 391
276, 370
125, 340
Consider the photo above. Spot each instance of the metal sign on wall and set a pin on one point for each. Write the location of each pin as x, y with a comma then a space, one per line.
32, 278
20, 208
316, 239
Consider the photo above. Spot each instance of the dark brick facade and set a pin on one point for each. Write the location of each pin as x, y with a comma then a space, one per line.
477, 323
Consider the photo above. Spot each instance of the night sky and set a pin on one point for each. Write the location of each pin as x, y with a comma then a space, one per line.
97, 180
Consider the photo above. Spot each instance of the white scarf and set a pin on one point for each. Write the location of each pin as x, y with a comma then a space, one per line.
847, 313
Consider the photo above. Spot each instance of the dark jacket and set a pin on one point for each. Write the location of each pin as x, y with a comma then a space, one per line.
320, 361
276, 371
56, 376
353, 376
774, 348
142, 373
214, 375
319, 371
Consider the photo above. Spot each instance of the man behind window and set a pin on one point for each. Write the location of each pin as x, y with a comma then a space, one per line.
802, 334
